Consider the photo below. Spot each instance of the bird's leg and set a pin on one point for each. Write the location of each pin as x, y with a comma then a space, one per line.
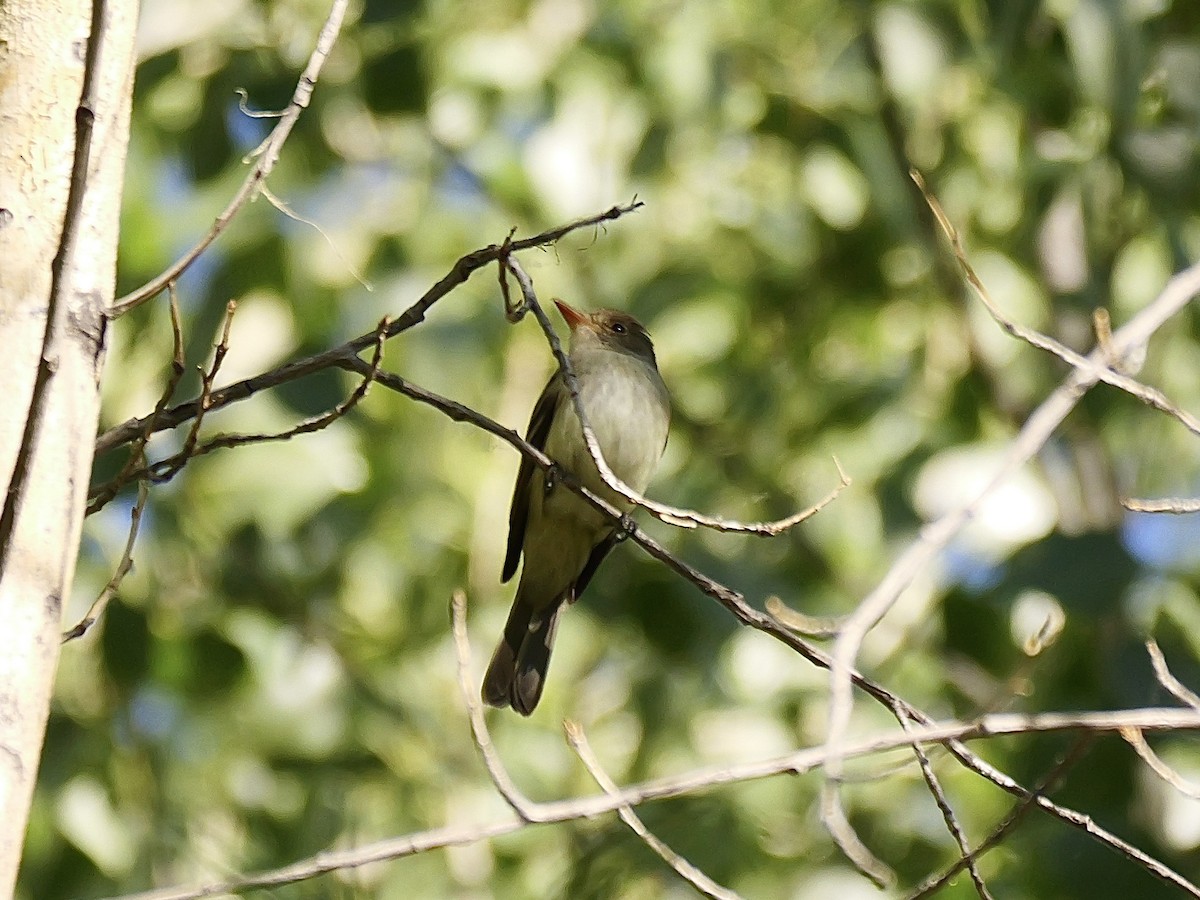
626, 529
551, 479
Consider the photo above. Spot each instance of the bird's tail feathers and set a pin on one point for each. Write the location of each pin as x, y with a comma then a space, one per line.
517, 673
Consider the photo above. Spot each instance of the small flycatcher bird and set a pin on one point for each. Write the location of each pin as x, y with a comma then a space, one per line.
562, 537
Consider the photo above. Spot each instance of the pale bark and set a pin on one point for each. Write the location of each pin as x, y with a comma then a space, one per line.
44, 51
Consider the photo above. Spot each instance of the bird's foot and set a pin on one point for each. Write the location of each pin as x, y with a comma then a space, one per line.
552, 477
626, 529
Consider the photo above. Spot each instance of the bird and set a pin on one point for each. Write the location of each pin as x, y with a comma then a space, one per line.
562, 537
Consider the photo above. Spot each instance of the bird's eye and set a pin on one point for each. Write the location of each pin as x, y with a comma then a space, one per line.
618, 327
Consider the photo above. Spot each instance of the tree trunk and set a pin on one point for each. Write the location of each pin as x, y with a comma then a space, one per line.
62, 159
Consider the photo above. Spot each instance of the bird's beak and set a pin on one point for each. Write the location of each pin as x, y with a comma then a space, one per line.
573, 317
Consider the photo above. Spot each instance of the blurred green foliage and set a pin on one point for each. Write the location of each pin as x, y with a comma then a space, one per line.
276, 676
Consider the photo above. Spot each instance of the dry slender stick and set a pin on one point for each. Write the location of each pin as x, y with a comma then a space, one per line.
1009, 822
166, 469
1136, 740
686, 870
137, 456
1181, 691
284, 208
307, 426
802, 623
267, 155
526, 809
967, 856
338, 356
797, 763
96, 610
935, 537
1098, 365
1172, 505
837, 823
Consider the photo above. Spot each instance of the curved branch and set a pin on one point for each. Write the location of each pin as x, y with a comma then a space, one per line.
797, 763
268, 154
338, 356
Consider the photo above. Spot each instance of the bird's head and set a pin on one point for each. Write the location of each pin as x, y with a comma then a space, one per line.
608, 329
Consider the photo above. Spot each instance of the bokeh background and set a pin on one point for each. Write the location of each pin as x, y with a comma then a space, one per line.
277, 675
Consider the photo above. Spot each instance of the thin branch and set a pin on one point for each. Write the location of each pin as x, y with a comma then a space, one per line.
166, 469
1177, 688
286, 210
1173, 505
339, 356
935, 537
137, 456
514, 311
967, 856
526, 809
684, 518
1099, 364
308, 426
802, 623
1135, 739
1077, 820
1001, 831
688, 872
244, 108
57, 301
267, 155
796, 763
96, 610
1109, 363
837, 823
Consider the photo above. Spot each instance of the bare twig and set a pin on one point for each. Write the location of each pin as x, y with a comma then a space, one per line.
137, 456
244, 108
684, 518
1077, 820
526, 809
837, 823
802, 623
96, 610
1098, 364
1174, 505
966, 855
1135, 739
339, 356
1177, 688
164, 470
267, 155
796, 763
935, 537
284, 208
514, 311
167, 469
688, 872
1009, 822
1109, 363
1102, 323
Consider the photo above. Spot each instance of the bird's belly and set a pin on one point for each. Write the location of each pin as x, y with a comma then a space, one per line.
626, 417
562, 531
